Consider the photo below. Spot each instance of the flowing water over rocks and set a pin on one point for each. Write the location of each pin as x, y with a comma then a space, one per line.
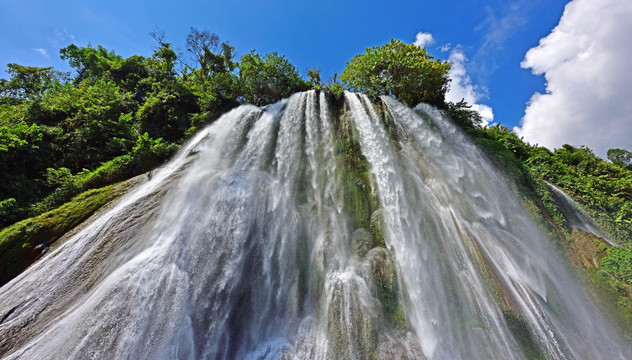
575, 216
310, 230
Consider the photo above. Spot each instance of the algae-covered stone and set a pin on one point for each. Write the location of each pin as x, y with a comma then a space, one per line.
362, 241
385, 286
407, 348
383, 268
377, 226
352, 320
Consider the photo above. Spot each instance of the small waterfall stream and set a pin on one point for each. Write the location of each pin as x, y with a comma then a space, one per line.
308, 229
575, 216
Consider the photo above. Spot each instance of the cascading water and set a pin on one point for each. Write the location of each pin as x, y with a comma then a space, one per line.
575, 216
305, 231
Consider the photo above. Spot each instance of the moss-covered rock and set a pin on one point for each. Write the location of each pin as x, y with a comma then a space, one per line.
519, 327
587, 249
362, 241
358, 198
402, 349
23, 243
377, 226
385, 285
352, 322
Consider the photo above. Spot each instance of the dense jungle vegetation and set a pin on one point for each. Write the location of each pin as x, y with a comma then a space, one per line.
63, 134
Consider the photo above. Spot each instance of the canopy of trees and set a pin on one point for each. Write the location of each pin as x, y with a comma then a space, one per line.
117, 117
620, 157
402, 70
268, 78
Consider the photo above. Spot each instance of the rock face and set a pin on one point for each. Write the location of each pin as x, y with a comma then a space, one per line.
383, 269
352, 321
362, 241
587, 249
377, 226
407, 349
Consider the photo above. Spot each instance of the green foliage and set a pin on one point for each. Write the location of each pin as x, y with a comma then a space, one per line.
313, 75
603, 189
214, 83
23, 242
402, 70
620, 157
146, 154
268, 78
27, 82
89, 117
118, 116
90, 63
162, 66
212, 56
337, 90
165, 113
618, 262
6, 206
129, 74
203, 45
462, 114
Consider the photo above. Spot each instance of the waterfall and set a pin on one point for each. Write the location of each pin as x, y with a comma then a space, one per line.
311, 229
575, 216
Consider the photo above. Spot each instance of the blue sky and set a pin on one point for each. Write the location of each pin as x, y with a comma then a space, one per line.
489, 38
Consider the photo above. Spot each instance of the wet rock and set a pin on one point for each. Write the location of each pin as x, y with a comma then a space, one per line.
377, 226
352, 320
385, 286
400, 348
42, 248
587, 249
382, 268
362, 241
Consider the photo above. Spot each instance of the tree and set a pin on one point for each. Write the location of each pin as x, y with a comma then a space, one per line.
90, 63
130, 72
402, 70
463, 115
28, 82
314, 76
214, 82
202, 45
620, 157
166, 108
268, 78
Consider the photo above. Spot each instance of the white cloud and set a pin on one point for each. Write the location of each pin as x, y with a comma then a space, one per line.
586, 63
42, 52
424, 39
461, 87
502, 22
61, 37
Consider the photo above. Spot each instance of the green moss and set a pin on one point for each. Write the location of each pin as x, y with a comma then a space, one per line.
358, 199
388, 296
377, 227
519, 327
614, 296
362, 241
147, 155
22, 243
